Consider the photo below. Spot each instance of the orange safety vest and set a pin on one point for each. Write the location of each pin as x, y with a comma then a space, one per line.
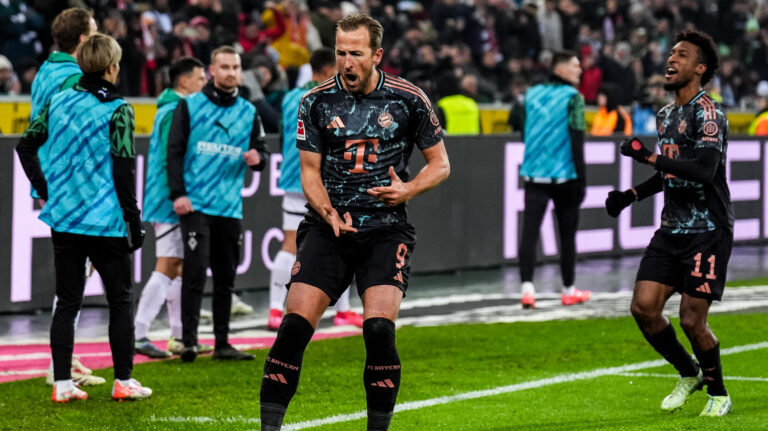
604, 122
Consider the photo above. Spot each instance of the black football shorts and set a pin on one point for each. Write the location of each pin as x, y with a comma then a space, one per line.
694, 264
374, 257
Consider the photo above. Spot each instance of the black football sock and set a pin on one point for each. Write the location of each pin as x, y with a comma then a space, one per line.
713, 370
665, 342
382, 371
282, 369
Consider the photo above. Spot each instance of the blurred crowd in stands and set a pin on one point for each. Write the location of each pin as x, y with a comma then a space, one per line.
490, 50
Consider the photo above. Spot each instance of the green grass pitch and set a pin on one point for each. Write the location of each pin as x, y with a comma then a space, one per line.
437, 362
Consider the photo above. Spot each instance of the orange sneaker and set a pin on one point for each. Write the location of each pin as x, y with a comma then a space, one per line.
275, 319
132, 391
348, 317
73, 394
529, 300
578, 297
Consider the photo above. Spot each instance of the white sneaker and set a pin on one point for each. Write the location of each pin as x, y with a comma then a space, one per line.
717, 406
239, 307
74, 393
684, 388
81, 375
132, 391
176, 346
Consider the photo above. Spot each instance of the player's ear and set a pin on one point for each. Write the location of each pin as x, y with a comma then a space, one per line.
701, 68
377, 56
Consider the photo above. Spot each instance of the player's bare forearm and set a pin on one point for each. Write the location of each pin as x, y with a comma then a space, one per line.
312, 181
436, 171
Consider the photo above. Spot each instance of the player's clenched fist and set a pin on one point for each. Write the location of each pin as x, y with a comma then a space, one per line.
634, 147
617, 201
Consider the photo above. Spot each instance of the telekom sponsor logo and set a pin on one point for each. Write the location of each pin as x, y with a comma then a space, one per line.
629, 235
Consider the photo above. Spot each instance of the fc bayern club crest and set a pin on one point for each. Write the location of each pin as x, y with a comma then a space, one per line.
385, 119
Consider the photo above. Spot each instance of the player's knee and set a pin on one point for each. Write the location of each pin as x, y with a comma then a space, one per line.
691, 323
641, 312
379, 334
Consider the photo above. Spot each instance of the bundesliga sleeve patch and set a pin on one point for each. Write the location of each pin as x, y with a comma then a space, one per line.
300, 133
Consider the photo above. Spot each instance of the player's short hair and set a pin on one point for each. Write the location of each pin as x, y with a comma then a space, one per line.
707, 51
564, 56
68, 26
223, 49
97, 53
354, 21
321, 58
181, 67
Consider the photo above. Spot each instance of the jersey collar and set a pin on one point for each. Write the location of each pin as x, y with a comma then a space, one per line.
61, 57
701, 93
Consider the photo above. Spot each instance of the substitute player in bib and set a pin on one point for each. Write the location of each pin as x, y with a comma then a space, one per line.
356, 133
187, 76
553, 169
91, 207
58, 73
689, 253
214, 136
323, 62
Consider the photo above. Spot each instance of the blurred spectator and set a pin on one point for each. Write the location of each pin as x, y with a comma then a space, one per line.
203, 45
324, 18
180, 42
9, 82
644, 113
759, 126
591, 78
458, 112
551, 27
610, 117
616, 65
19, 27
501, 42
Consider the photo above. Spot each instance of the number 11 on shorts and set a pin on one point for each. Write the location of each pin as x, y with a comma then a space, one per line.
711, 260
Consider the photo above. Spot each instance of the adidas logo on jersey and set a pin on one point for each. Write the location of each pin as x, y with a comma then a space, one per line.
704, 288
336, 123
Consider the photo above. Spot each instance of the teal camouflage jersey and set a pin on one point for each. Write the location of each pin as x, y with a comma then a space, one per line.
360, 137
691, 207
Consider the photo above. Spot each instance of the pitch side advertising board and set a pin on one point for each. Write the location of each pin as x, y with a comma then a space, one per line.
472, 220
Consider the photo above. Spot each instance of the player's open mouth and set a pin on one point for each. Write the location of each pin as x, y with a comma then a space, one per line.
350, 77
670, 71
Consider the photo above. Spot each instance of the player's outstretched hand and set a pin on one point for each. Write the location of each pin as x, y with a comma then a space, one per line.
617, 201
251, 157
634, 147
393, 194
338, 225
182, 205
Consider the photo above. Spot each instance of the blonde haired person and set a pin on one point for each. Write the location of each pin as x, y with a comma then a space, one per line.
89, 202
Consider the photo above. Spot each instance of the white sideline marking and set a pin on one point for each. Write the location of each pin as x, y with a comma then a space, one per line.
415, 405
23, 372
206, 419
677, 376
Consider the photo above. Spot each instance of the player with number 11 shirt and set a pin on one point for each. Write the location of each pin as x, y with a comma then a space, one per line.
355, 133
689, 253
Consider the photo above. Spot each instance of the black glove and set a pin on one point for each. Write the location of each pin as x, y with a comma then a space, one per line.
634, 147
136, 234
617, 201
